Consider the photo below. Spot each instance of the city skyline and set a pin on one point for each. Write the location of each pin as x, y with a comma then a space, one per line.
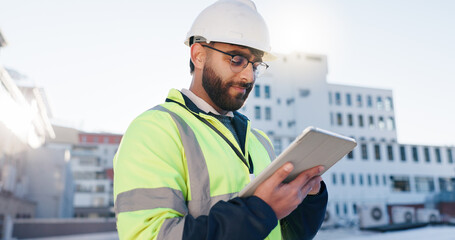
103, 63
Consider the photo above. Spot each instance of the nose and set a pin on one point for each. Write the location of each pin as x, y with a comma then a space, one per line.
247, 74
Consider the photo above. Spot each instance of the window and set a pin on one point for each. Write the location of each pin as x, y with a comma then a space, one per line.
334, 178
354, 208
348, 99
99, 188
390, 152
351, 155
388, 104
337, 209
360, 120
376, 179
370, 182
339, 119
277, 145
267, 91
369, 101
426, 152
350, 120
291, 123
447, 184
377, 152
331, 119
379, 103
280, 123
268, 113
400, 184
330, 98
345, 208
438, 155
289, 101
384, 180
352, 179
342, 179
278, 101
403, 153
304, 93
257, 90
359, 100
361, 179
381, 123
337, 98
390, 123
364, 151
371, 122
449, 155
257, 112
424, 184
415, 156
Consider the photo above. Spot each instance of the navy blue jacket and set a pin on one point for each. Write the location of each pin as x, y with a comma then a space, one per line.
251, 218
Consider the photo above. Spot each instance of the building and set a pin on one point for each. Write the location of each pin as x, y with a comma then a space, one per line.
295, 94
93, 175
24, 127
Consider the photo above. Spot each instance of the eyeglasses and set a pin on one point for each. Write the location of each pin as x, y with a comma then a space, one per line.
238, 63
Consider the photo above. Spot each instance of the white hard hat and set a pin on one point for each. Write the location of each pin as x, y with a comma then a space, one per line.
232, 21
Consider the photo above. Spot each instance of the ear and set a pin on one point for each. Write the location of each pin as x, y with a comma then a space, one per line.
198, 56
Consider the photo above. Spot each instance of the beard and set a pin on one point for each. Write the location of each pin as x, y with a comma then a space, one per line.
218, 90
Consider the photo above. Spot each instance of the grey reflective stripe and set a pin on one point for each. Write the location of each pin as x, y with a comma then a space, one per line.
172, 228
197, 167
265, 143
206, 204
149, 198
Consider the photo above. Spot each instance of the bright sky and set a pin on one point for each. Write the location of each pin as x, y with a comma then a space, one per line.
104, 62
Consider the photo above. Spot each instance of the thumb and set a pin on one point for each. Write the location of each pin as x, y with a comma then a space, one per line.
278, 177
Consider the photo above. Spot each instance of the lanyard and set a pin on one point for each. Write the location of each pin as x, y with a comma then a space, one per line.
249, 164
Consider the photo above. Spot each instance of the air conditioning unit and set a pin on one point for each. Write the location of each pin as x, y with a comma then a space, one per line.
330, 220
426, 215
403, 215
372, 215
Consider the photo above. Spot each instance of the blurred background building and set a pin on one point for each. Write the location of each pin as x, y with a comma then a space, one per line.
380, 174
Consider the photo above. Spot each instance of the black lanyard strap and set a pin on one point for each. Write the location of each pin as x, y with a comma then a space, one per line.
249, 164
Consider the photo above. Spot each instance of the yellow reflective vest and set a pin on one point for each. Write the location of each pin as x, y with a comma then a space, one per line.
175, 174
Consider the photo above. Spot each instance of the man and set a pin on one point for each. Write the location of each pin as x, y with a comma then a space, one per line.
180, 165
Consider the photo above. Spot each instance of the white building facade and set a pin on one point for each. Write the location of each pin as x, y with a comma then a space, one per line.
294, 94
93, 175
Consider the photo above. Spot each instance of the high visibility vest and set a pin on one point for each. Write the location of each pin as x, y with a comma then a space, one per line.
170, 164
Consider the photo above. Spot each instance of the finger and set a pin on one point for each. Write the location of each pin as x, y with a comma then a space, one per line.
313, 186
306, 175
316, 187
278, 177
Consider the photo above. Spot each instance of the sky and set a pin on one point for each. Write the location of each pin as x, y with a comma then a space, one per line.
103, 62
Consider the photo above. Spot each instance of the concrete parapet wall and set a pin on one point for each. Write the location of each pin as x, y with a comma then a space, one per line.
40, 228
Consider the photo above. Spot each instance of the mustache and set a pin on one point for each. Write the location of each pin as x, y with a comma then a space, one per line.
242, 84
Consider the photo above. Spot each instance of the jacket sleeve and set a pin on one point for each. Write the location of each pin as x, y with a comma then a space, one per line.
305, 221
151, 191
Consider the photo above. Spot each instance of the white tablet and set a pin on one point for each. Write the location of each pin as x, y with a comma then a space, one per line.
312, 148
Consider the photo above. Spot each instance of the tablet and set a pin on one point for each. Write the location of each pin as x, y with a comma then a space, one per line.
312, 148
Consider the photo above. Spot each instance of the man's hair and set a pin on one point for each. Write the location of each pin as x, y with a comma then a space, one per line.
255, 52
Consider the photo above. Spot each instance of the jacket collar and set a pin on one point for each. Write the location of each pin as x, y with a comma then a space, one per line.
240, 121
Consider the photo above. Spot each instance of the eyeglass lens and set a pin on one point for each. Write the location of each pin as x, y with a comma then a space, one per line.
238, 63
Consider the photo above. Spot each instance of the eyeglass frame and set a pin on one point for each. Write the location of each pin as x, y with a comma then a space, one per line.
244, 66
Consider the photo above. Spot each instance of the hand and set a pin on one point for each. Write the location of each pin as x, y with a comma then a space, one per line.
284, 198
